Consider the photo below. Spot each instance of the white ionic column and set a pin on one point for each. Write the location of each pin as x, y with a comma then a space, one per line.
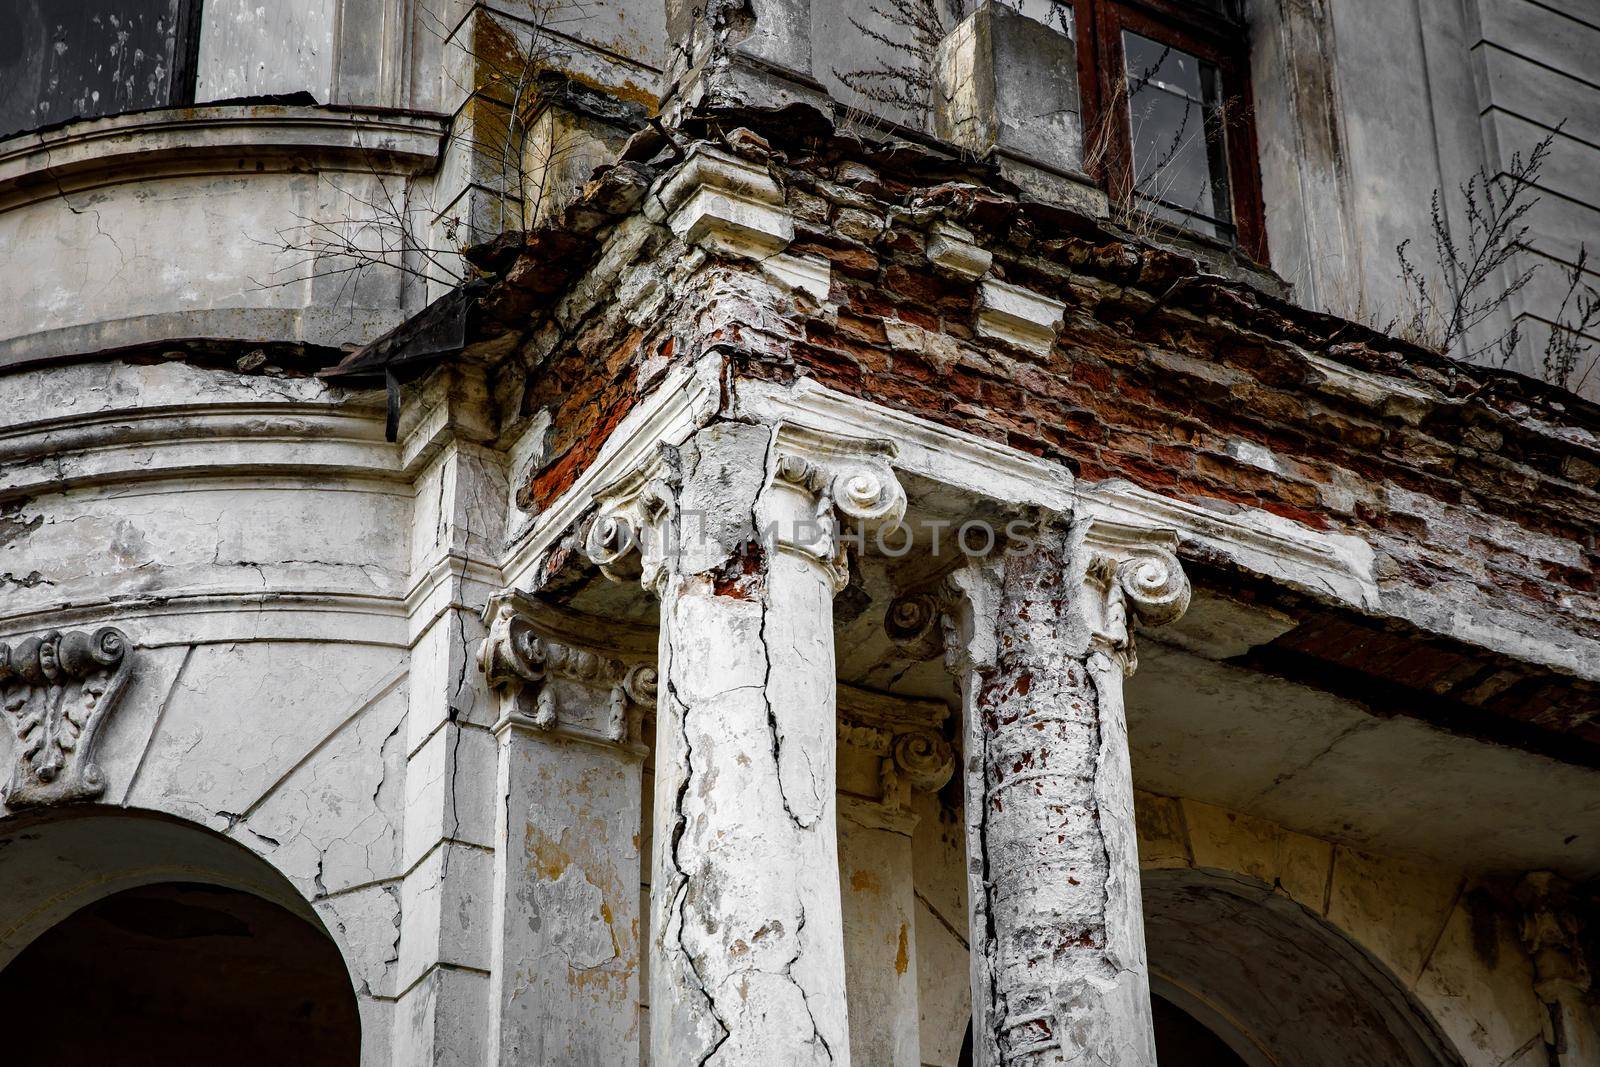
747, 963
1040, 638
565, 957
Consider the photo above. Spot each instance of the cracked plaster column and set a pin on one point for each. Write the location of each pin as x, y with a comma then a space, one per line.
742, 542
1040, 639
565, 949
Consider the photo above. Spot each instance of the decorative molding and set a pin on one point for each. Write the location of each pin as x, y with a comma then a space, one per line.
211, 139
954, 251
57, 691
551, 685
1019, 316
947, 457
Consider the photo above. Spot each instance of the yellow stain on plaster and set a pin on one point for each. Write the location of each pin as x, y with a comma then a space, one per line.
549, 857
902, 958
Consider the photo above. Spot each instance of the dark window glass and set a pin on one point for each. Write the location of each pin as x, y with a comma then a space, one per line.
1180, 161
1167, 114
69, 59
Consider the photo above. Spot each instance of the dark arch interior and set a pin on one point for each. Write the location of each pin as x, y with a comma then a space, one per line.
1183, 1041
179, 974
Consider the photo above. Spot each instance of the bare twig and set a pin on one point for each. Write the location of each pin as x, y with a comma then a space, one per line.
388, 224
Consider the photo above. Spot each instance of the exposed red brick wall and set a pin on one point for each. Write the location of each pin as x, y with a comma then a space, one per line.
1164, 375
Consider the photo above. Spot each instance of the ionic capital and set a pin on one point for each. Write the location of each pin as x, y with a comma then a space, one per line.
57, 691
1129, 574
551, 684
827, 493
632, 533
803, 492
1122, 575
908, 738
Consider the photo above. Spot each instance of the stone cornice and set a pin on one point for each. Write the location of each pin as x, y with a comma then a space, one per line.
211, 139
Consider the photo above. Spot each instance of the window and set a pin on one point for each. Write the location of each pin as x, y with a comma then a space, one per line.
69, 59
1166, 110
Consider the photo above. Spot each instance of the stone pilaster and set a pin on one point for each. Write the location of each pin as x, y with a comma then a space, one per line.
888, 748
1040, 637
1551, 929
565, 954
742, 542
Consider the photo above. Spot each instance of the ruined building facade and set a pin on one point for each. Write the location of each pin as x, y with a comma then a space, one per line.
795, 531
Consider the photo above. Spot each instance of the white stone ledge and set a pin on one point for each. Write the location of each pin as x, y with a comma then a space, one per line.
953, 250
120, 147
218, 615
171, 329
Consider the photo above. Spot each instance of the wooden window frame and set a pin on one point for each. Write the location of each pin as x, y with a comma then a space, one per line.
1213, 37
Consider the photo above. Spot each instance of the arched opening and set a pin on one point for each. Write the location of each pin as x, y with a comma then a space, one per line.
1274, 982
142, 940
1241, 976
182, 973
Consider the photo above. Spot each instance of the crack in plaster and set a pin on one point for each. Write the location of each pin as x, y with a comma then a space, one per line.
680, 890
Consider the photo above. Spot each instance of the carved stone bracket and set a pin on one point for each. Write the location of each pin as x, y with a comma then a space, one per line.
553, 685
906, 735
57, 691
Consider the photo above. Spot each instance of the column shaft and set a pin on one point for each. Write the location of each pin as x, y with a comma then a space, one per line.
1059, 956
748, 963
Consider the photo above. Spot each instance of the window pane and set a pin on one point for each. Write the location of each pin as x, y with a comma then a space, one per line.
64, 59
1175, 115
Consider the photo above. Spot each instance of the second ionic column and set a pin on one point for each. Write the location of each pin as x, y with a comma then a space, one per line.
1042, 644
